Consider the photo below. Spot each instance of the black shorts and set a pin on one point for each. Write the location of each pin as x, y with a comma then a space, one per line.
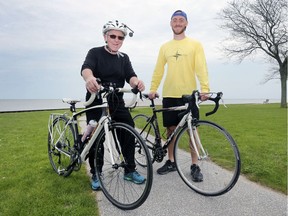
171, 118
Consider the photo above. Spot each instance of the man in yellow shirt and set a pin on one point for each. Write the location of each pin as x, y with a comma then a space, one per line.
185, 61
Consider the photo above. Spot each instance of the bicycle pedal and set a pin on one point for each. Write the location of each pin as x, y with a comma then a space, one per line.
159, 159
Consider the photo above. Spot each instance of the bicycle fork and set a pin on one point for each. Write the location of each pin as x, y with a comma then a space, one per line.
195, 142
108, 141
114, 148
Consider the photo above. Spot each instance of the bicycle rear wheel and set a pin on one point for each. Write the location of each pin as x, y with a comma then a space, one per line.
221, 164
110, 166
61, 139
147, 131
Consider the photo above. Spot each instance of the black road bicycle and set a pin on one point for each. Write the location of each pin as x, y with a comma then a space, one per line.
217, 152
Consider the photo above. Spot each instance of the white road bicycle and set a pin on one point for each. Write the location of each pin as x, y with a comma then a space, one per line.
67, 152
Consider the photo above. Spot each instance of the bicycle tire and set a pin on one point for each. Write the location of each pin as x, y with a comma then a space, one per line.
221, 169
123, 194
148, 133
61, 160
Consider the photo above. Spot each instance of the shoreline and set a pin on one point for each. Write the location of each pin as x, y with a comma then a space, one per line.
29, 105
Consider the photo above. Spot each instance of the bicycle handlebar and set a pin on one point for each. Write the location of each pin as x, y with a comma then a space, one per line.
216, 101
90, 100
145, 95
110, 90
193, 99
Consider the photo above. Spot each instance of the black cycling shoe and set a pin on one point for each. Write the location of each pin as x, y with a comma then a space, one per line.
167, 167
196, 173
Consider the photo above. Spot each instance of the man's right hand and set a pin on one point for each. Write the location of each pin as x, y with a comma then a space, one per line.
153, 95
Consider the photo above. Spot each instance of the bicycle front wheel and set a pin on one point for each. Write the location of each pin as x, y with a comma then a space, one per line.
219, 163
147, 131
113, 161
61, 139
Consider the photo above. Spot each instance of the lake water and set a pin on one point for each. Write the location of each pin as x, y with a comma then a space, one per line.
10, 105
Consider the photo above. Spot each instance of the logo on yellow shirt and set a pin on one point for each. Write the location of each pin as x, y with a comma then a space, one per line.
177, 55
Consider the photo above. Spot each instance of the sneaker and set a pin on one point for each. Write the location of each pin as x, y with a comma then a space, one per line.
95, 185
167, 167
134, 177
196, 173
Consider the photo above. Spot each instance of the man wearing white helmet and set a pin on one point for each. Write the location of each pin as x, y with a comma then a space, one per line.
111, 66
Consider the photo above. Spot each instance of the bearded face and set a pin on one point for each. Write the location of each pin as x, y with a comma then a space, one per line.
178, 30
178, 24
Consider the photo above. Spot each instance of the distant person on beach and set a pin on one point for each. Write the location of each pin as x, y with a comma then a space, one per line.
112, 66
185, 61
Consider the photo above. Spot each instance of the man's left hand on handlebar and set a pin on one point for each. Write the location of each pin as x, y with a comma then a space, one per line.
140, 85
136, 83
92, 85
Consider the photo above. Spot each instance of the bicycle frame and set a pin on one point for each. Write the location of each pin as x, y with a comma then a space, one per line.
103, 123
187, 118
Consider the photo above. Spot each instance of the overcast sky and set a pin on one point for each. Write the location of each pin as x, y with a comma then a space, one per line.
44, 43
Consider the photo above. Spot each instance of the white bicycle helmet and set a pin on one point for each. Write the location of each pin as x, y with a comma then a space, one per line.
115, 25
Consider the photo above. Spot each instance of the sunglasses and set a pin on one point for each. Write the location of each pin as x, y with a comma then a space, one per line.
119, 37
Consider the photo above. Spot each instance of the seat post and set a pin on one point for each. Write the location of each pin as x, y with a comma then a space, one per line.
72, 107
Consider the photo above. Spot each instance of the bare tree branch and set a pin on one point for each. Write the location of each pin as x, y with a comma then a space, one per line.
257, 26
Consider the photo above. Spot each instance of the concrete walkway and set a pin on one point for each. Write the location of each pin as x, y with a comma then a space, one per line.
169, 196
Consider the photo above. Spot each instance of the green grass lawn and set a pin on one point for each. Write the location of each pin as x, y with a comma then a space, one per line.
29, 186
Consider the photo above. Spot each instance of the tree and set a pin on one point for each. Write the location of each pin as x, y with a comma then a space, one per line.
258, 25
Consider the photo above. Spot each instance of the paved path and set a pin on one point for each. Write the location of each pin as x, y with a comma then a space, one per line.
169, 196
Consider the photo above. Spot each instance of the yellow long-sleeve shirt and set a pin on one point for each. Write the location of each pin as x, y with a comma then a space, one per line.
185, 61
